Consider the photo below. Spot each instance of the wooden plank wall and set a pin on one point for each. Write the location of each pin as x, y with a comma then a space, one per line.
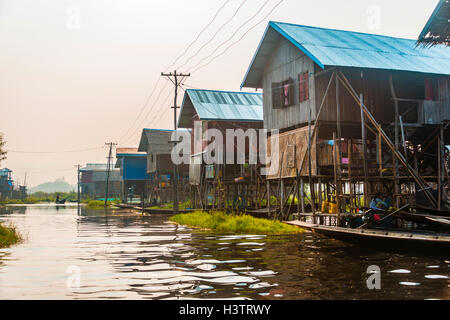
294, 148
287, 62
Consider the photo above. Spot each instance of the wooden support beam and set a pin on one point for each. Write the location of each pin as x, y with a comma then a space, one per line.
397, 140
422, 184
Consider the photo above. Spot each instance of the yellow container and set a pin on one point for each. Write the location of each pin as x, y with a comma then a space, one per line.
325, 207
333, 208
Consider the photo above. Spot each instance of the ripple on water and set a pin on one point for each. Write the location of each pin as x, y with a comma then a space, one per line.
400, 271
405, 283
436, 276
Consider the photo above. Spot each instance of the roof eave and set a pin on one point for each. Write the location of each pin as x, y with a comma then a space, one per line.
275, 27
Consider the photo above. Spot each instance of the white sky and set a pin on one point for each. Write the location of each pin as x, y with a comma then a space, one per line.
76, 73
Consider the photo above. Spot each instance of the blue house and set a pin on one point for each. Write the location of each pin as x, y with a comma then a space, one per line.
133, 171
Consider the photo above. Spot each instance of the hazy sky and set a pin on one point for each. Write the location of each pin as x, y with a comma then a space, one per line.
76, 74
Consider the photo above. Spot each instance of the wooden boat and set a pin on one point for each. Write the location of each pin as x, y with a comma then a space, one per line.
436, 212
381, 238
60, 201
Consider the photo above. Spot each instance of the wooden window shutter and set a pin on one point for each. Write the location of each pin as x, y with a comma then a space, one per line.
287, 93
303, 84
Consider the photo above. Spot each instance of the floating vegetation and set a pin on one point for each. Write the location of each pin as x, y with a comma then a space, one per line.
229, 223
9, 236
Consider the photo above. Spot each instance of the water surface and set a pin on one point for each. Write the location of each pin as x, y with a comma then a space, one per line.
122, 255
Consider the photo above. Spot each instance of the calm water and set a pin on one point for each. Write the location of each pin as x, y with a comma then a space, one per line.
123, 256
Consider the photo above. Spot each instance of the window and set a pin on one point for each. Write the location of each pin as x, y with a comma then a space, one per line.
431, 89
282, 94
303, 85
287, 93
276, 95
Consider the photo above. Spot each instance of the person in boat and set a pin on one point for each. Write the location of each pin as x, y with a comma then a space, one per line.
380, 203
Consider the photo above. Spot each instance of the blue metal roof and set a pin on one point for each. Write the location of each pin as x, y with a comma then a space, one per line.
328, 47
221, 106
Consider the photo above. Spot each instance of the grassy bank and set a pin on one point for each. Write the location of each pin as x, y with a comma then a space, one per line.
8, 236
239, 224
42, 197
99, 204
167, 206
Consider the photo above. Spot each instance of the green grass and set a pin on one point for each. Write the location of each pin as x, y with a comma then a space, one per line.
181, 206
98, 204
41, 197
8, 236
221, 222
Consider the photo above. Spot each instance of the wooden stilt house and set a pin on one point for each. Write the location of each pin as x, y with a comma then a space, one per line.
224, 184
358, 114
157, 144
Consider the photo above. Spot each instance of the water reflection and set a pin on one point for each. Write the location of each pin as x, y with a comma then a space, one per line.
122, 255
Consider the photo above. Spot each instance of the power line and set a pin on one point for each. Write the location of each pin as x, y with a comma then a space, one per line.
142, 110
199, 34
232, 36
162, 111
214, 36
139, 127
236, 42
54, 152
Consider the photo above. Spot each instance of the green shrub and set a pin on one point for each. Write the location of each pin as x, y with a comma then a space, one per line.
8, 236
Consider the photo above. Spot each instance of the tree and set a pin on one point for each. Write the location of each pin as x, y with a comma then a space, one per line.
3, 152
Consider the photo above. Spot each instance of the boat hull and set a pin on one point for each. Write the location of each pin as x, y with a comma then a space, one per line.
383, 239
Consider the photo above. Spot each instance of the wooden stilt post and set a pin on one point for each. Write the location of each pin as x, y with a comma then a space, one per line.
336, 182
311, 184
268, 198
302, 194
350, 163
364, 143
397, 141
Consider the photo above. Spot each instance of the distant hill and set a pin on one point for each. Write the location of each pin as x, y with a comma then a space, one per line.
59, 185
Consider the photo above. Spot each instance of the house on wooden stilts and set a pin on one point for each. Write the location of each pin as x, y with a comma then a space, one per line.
358, 114
231, 179
157, 144
133, 170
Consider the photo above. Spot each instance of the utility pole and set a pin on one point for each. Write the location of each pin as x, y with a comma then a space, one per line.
108, 169
174, 77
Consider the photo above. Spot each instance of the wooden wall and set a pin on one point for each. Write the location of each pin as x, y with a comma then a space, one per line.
287, 62
293, 147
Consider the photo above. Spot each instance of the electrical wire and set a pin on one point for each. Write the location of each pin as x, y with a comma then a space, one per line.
54, 152
239, 40
141, 111
232, 36
215, 34
139, 127
199, 34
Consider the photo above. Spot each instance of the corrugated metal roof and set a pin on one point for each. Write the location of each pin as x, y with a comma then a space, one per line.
437, 28
97, 167
220, 106
121, 152
328, 47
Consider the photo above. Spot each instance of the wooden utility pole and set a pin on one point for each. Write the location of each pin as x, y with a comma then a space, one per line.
108, 169
175, 78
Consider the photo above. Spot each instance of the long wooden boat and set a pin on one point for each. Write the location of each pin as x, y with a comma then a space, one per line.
436, 212
381, 238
